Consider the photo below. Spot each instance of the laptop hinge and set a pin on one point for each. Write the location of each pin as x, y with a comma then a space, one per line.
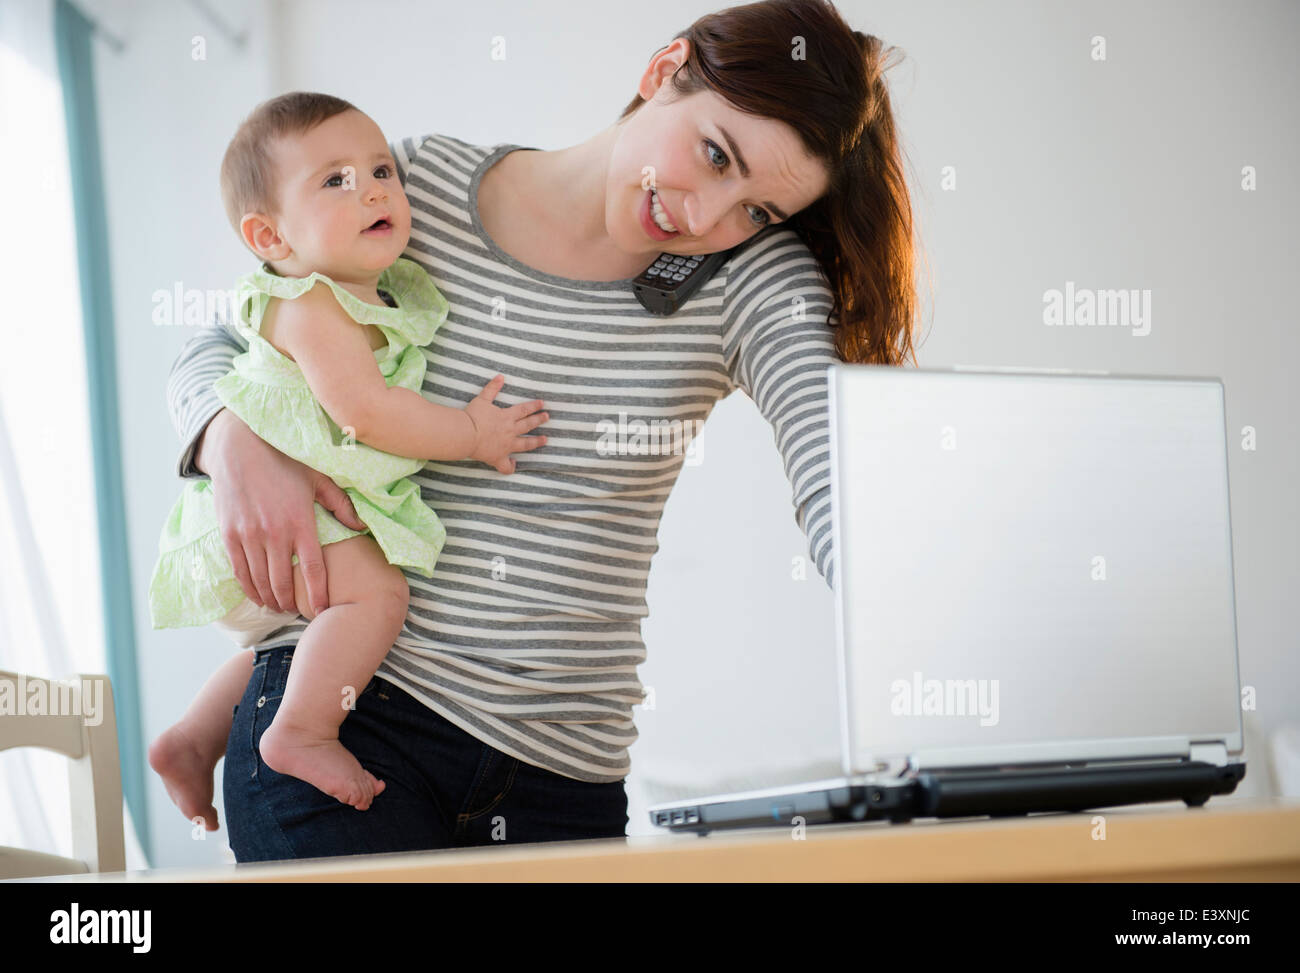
1211, 753
1075, 751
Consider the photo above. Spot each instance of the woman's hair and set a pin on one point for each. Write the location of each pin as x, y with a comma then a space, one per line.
798, 62
247, 170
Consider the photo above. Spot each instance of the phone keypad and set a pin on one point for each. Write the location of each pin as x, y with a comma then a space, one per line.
672, 268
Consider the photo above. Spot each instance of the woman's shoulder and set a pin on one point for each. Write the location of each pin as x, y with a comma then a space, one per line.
452, 159
442, 142
775, 262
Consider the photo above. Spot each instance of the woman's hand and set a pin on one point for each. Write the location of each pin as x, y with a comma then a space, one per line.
265, 506
499, 431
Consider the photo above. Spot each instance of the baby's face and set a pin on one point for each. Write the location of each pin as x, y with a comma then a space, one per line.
335, 182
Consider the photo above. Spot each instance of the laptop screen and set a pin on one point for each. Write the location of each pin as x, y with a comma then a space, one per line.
1031, 564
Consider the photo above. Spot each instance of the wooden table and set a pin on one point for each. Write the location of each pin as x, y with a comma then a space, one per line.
1227, 840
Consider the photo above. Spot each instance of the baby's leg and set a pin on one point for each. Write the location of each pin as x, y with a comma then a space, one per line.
332, 663
186, 754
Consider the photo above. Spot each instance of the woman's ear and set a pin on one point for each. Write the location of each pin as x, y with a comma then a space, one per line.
662, 66
262, 237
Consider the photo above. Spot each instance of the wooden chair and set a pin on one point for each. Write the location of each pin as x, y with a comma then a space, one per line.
94, 778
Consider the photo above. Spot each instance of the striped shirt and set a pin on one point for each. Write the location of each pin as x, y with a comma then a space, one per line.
528, 635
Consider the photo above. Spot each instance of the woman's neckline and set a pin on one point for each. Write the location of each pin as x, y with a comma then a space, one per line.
623, 284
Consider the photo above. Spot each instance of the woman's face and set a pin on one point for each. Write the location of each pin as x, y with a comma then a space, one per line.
690, 151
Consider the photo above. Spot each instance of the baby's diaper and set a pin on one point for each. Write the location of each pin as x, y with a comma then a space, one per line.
248, 623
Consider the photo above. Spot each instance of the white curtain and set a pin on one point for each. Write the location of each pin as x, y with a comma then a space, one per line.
49, 551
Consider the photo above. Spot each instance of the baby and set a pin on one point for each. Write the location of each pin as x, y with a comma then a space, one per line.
335, 320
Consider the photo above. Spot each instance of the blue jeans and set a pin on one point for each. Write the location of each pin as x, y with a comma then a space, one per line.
443, 787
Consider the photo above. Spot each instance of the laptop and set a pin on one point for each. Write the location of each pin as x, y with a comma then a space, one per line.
1033, 594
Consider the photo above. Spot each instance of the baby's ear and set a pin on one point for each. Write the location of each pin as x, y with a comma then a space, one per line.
261, 236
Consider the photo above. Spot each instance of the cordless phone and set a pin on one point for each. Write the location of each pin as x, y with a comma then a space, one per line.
664, 286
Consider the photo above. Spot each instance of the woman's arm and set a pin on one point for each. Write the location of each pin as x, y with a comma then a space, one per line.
777, 345
190, 397
264, 500
339, 366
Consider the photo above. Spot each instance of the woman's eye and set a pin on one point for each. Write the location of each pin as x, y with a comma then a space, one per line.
712, 147
763, 218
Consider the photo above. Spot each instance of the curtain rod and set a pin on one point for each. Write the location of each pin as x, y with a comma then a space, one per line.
237, 39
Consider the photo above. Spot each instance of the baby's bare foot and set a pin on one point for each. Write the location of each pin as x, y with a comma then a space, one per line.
187, 774
322, 762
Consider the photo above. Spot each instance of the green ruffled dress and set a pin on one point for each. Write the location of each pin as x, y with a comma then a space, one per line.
193, 582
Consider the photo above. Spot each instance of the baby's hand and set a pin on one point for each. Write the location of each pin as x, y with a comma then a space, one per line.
500, 431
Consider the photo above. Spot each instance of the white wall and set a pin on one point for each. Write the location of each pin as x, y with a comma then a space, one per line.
1121, 174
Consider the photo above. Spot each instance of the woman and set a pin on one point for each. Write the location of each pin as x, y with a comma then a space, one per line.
504, 710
